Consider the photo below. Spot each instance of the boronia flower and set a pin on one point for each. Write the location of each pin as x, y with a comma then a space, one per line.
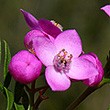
48, 27
62, 60
95, 80
106, 8
42, 27
25, 67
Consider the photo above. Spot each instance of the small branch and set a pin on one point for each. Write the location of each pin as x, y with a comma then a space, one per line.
37, 89
41, 97
87, 92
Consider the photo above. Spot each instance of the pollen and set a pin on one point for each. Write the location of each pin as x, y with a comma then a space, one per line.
62, 61
58, 25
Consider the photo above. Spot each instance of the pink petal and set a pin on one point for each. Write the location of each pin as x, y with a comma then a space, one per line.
56, 80
29, 36
91, 57
94, 59
44, 49
31, 21
70, 41
95, 80
81, 69
106, 8
48, 27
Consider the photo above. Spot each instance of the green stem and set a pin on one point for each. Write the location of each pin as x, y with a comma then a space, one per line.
86, 93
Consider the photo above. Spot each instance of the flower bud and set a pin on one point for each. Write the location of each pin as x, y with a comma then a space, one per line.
95, 80
25, 67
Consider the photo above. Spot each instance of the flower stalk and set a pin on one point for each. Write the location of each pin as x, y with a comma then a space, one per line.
33, 105
41, 97
31, 100
86, 93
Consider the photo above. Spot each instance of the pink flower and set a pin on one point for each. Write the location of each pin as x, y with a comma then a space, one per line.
62, 60
41, 27
106, 8
48, 27
95, 80
25, 67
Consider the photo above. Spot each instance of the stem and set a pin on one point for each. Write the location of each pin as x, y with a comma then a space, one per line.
87, 92
31, 101
40, 98
38, 89
35, 89
32, 92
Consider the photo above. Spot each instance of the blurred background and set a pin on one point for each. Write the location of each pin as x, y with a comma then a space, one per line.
92, 25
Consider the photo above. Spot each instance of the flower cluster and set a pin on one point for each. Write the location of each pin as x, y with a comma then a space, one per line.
60, 51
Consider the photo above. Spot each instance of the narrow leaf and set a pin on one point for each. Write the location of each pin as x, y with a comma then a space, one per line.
18, 91
1, 87
0, 52
6, 63
18, 107
10, 99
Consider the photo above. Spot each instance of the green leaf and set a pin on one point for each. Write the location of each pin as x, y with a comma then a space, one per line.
10, 99
18, 91
7, 76
0, 52
18, 107
1, 87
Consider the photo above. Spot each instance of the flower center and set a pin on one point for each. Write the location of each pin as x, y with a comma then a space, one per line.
58, 25
62, 61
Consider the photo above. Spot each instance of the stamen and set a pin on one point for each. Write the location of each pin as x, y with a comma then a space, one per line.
30, 48
62, 61
58, 25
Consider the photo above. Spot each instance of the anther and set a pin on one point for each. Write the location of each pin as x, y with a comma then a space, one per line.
58, 25
62, 61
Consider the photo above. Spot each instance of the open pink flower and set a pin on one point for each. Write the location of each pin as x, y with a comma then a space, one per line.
48, 27
62, 60
106, 8
95, 80
25, 67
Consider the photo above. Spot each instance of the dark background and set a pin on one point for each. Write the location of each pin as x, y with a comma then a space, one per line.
92, 25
